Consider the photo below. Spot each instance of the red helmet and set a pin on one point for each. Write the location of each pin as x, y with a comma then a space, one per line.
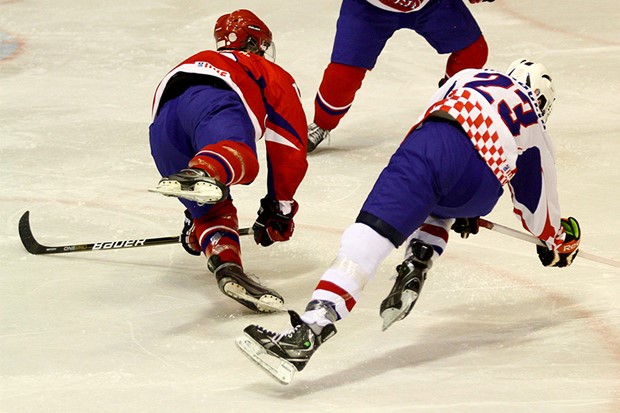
242, 30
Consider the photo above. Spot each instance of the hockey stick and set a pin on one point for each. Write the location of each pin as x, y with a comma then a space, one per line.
34, 247
530, 238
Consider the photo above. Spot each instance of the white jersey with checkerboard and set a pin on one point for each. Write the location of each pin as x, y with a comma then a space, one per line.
503, 122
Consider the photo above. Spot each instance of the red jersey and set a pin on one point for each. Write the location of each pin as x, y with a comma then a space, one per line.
272, 101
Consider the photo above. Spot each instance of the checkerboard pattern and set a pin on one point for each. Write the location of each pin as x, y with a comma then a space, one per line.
480, 129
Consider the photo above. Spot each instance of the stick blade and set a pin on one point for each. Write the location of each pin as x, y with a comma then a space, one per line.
26, 237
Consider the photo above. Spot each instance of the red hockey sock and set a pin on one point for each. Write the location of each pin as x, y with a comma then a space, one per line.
227, 161
217, 232
336, 93
473, 56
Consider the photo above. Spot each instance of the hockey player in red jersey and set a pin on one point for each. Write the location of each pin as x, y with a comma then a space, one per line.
208, 113
483, 130
362, 31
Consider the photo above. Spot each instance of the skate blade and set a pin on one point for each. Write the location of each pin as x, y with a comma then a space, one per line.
267, 303
392, 315
279, 369
202, 193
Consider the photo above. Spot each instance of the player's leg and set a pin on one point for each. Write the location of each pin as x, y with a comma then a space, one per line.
473, 56
217, 233
221, 138
336, 93
361, 251
406, 192
222, 134
221, 145
449, 27
436, 172
361, 33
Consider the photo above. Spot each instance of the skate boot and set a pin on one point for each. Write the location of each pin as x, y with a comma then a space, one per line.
239, 286
193, 184
409, 282
316, 135
283, 354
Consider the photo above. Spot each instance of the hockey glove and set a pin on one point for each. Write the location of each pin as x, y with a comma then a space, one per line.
272, 223
566, 253
466, 226
188, 236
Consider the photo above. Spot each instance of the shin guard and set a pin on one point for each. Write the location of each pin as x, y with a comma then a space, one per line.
473, 56
336, 94
218, 232
229, 162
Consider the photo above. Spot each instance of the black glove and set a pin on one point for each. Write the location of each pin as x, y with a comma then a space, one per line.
188, 236
466, 226
272, 225
566, 253
478, 1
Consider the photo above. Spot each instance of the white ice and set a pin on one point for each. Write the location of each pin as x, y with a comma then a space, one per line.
146, 330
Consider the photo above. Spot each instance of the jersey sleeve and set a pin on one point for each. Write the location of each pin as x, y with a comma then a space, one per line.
534, 191
286, 136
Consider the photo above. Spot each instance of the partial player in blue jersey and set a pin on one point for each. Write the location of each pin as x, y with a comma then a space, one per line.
483, 130
362, 31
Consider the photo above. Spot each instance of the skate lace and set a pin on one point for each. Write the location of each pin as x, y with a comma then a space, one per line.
276, 337
318, 135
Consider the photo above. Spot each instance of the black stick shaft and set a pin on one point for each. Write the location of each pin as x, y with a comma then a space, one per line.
34, 247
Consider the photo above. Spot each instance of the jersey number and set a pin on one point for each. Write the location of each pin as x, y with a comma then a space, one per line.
514, 117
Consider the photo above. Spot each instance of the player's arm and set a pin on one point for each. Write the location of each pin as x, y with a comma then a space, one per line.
535, 201
286, 141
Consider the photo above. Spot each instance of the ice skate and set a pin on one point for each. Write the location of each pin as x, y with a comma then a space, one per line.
239, 286
192, 184
316, 135
283, 354
409, 282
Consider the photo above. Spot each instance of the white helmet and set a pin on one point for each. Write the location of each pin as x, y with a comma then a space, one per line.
536, 77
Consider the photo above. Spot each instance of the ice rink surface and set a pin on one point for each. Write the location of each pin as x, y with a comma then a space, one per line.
147, 330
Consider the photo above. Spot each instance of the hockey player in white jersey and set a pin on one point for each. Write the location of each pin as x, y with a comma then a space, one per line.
483, 130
